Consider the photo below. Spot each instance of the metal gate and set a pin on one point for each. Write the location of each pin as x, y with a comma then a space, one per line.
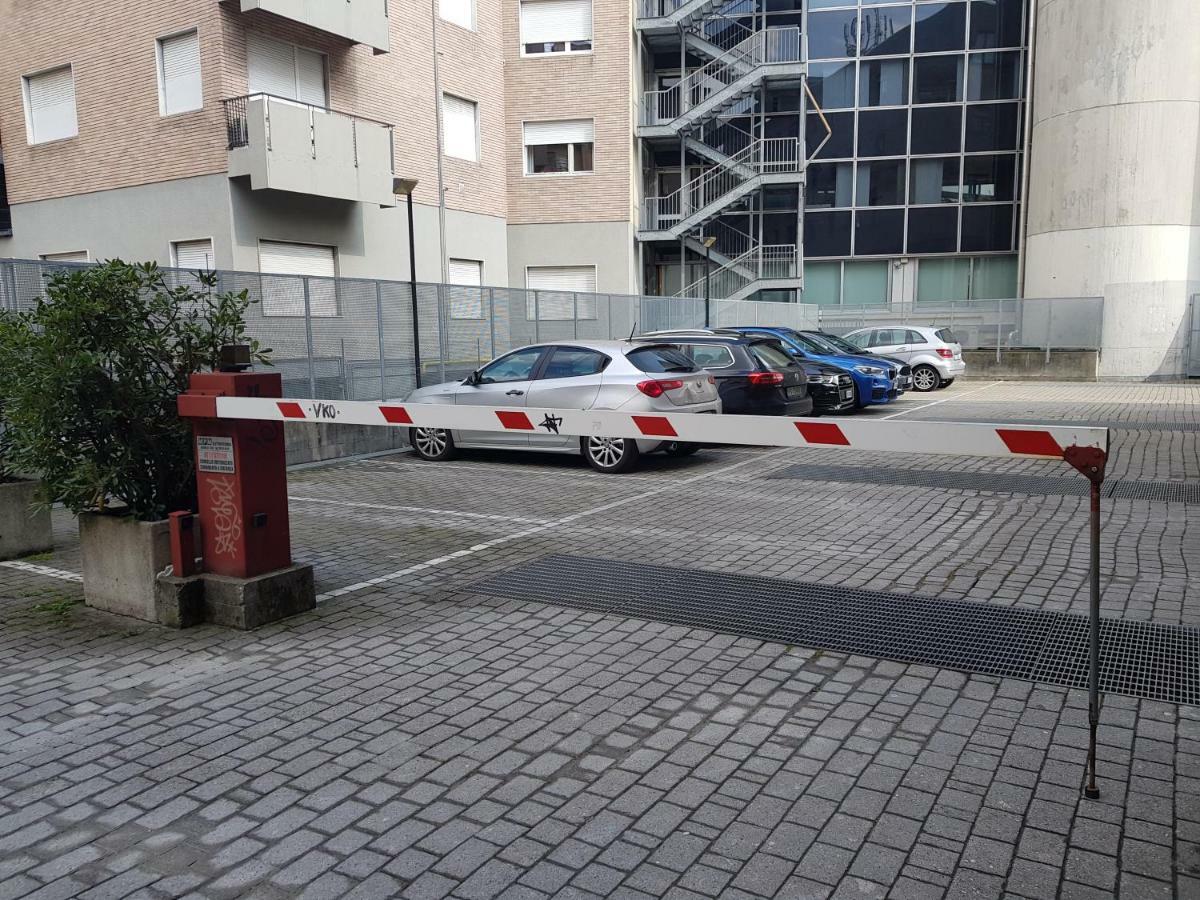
1193, 362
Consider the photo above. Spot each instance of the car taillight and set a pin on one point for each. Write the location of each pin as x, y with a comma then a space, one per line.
712, 379
945, 353
658, 388
766, 379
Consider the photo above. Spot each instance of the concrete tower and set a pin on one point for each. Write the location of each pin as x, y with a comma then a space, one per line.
1114, 190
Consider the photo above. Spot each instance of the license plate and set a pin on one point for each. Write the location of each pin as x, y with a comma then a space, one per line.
796, 390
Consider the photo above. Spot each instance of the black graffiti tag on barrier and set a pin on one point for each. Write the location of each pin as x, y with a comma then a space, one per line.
323, 411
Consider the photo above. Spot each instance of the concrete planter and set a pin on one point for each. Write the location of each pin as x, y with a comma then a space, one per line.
23, 530
121, 560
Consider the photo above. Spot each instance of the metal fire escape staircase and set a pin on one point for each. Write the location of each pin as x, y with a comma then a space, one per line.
739, 163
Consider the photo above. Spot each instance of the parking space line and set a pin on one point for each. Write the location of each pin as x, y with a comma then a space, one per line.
936, 402
538, 529
47, 571
353, 504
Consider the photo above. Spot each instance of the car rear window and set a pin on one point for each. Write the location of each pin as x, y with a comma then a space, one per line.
945, 334
708, 356
771, 354
660, 359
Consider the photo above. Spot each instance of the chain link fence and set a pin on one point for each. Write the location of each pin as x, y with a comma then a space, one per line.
354, 339
1059, 323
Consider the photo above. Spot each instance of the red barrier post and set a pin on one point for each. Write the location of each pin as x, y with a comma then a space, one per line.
241, 476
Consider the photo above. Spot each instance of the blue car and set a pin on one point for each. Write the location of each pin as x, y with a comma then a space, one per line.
876, 379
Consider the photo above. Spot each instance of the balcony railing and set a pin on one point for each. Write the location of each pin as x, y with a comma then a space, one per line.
289, 145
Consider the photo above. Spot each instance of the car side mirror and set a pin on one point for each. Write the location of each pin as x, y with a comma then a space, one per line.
472, 379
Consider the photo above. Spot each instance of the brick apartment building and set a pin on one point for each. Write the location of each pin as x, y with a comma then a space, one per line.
849, 153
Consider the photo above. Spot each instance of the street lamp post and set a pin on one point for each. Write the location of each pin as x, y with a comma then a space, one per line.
406, 186
708, 245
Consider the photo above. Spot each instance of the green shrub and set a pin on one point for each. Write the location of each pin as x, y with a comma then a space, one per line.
89, 379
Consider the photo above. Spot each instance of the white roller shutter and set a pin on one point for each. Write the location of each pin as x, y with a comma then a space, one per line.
50, 106
569, 131
557, 287
285, 296
310, 77
194, 255
284, 70
460, 137
179, 69
466, 272
80, 256
550, 21
465, 291
460, 12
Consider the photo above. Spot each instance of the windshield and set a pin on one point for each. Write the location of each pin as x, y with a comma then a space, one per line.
820, 343
660, 359
804, 341
841, 344
771, 354
947, 335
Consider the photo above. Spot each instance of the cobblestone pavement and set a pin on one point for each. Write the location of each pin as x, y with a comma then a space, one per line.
413, 738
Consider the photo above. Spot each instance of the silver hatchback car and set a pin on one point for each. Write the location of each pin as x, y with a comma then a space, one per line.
620, 375
934, 354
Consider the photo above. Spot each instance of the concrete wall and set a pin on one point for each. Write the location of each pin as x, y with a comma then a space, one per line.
1114, 197
1031, 365
606, 245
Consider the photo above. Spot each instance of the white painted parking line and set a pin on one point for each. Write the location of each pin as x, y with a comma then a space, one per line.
936, 402
548, 526
416, 509
35, 569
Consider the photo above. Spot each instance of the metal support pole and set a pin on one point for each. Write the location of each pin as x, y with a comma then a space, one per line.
379, 326
1090, 461
1091, 791
412, 284
707, 286
308, 335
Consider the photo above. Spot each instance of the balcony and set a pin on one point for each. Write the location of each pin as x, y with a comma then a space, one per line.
360, 21
288, 146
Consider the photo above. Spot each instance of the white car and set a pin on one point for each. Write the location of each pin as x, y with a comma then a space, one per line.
934, 354
637, 377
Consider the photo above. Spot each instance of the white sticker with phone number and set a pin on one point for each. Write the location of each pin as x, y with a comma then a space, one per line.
215, 454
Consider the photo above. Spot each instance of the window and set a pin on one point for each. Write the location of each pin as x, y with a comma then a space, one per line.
996, 23
517, 366
934, 180
940, 27
558, 148
932, 229
840, 143
553, 292
943, 279
883, 132
179, 88
458, 12
992, 126
193, 255
657, 360
771, 354
708, 356
883, 82
822, 283
285, 71
881, 183
994, 277
987, 228
989, 178
885, 32
556, 26
829, 185
283, 295
574, 362
826, 234
878, 232
937, 130
50, 106
865, 283
832, 84
465, 292
76, 256
460, 128
914, 337
833, 34
994, 76
938, 79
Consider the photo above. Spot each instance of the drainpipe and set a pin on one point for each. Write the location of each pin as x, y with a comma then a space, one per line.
1028, 143
441, 184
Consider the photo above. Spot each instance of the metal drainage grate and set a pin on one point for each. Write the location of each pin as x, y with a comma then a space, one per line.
1046, 485
1157, 662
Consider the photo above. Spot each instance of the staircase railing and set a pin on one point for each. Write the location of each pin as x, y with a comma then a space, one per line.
726, 138
763, 156
722, 31
772, 45
769, 261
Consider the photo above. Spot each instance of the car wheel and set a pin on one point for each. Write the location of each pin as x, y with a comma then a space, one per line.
947, 382
680, 448
858, 404
434, 444
926, 378
610, 455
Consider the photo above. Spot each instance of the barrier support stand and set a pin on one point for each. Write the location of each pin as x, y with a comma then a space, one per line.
1090, 461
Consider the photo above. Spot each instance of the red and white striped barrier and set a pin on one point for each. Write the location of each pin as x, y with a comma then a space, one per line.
945, 438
